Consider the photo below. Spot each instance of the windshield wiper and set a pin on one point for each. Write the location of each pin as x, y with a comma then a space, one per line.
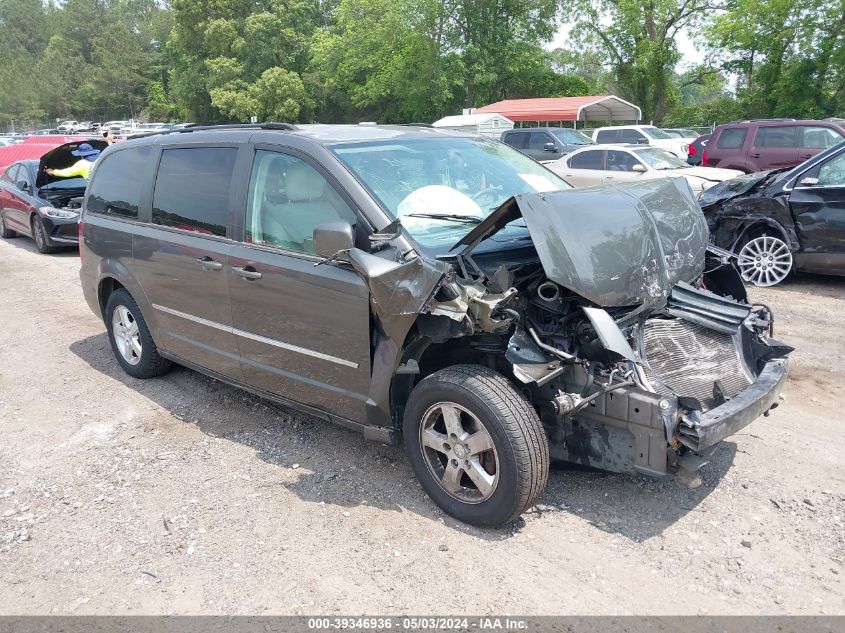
451, 217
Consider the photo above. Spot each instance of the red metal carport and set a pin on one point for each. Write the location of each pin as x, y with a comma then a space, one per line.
594, 108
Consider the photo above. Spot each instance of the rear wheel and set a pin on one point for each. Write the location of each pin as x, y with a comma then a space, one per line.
476, 445
40, 237
4, 232
764, 259
130, 338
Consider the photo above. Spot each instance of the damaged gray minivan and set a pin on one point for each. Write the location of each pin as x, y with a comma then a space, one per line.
414, 283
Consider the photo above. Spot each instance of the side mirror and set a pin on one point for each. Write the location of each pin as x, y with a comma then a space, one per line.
23, 186
642, 141
638, 168
809, 181
549, 147
331, 238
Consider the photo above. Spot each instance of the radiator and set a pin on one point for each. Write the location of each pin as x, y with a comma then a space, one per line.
687, 359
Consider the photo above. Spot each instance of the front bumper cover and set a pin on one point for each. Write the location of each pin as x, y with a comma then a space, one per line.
699, 431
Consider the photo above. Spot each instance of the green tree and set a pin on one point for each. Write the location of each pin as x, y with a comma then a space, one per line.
225, 48
383, 59
639, 38
789, 55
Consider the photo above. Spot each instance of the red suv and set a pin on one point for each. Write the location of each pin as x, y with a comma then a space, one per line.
769, 144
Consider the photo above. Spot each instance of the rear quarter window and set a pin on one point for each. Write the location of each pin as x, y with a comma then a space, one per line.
116, 186
607, 136
192, 189
732, 138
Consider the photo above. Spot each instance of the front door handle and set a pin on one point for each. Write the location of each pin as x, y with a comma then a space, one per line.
757, 155
209, 264
247, 272
806, 156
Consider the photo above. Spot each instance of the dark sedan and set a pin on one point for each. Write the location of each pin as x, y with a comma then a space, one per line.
41, 206
696, 149
783, 220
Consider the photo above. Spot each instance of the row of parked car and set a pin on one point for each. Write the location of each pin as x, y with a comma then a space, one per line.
780, 219
116, 129
425, 287
746, 146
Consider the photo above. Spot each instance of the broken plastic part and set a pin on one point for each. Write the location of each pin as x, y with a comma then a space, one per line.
609, 333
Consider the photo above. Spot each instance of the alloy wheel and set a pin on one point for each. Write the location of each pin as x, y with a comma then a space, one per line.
765, 261
38, 233
459, 452
127, 337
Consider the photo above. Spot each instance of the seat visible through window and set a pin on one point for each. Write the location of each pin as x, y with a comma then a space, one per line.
287, 199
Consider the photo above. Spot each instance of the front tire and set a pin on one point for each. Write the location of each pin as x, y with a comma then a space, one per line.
764, 260
39, 236
130, 338
476, 445
4, 232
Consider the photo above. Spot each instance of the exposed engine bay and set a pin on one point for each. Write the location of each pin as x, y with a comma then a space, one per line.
66, 194
63, 193
637, 346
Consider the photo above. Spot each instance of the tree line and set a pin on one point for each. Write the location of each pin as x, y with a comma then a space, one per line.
215, 61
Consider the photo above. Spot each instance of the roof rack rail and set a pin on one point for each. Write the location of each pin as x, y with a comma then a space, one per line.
238, 126
758, 120
225, 126
415, 124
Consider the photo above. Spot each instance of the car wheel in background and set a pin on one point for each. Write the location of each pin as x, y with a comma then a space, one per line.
130, 338
4, 232
40, 237
476, 445
764, 260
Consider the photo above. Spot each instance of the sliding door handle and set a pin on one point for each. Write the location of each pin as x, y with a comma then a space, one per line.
247, 272
209, 264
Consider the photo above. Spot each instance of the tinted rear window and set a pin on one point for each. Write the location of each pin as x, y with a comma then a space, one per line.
517, 139
116, 189
781, 136
732, 138
607, 136
593, 159
192, 189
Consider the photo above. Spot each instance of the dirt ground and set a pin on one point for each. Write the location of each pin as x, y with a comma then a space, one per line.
182, 495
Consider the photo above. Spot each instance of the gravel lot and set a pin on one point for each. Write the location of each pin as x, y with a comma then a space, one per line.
183, 495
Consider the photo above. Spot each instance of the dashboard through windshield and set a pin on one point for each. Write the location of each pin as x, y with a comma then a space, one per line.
441, 187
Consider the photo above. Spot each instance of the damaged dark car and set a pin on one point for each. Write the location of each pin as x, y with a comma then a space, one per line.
42, 206
435, 289
782, 221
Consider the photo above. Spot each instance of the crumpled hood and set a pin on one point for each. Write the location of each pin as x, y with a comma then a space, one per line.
615, 246
739, 186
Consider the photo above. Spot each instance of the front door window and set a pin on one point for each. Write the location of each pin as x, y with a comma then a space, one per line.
287, 199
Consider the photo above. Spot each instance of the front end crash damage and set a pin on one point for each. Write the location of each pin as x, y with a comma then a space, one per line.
608, 321
734, 207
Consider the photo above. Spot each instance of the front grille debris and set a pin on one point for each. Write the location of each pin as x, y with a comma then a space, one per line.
690, 360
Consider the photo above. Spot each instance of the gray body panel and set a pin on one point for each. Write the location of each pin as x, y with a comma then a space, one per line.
309, 327
190, 300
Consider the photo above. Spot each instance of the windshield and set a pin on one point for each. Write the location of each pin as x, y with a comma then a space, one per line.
654, 132
571, 137
440, 188
659, 159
